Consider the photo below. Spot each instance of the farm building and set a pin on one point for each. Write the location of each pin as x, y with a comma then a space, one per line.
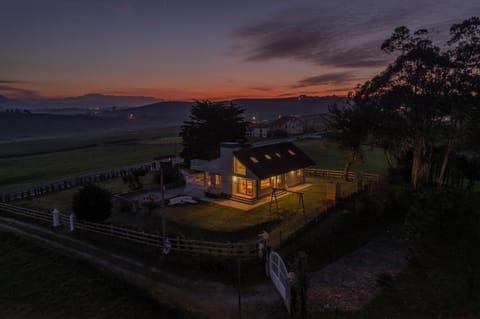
247, 174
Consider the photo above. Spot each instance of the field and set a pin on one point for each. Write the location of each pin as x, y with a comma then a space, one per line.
329, 156
39, 168
38, 283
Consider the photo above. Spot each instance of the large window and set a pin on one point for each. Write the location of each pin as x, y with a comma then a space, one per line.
239, 168
218, 180
265, 183
245, 186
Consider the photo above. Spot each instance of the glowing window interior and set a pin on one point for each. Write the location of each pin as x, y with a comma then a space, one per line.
268, 156
291, 152
253, 159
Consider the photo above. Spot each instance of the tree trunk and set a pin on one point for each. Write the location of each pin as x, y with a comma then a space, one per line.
388, 158
346, 170
443, 169
348, 164
419, 164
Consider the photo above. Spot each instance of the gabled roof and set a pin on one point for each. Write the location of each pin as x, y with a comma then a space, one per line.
273, 159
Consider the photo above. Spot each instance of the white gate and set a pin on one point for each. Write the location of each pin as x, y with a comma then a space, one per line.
279, 276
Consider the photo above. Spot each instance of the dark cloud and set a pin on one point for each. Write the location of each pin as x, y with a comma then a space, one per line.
343, 34
11, 88
337, 78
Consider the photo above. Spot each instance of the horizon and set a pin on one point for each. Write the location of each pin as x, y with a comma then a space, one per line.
186, 50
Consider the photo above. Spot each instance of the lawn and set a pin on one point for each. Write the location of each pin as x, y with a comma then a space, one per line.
210, 221
26, 170
62, 200
62, 143
39, 283
328, 155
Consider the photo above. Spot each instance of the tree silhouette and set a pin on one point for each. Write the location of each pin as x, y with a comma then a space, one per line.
92, 203
210, 124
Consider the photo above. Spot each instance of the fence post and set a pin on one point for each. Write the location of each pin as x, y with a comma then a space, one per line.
56, 217
72, 221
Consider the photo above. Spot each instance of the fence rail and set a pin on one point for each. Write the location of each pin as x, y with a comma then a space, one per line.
338, 174
247, 250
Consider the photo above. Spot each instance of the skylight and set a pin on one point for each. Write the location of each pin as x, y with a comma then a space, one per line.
291, 152
253, 159
268, 156
278, 155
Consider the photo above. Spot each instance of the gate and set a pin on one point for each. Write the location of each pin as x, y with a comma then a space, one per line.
279, 276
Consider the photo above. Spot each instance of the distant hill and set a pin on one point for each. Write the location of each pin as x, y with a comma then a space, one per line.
268, 109
262, 109
162, 114
90, 101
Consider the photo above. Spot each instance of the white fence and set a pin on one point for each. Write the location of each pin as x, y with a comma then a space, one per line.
245, 250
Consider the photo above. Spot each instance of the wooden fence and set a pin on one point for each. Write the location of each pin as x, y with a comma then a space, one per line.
338, 174
247, 250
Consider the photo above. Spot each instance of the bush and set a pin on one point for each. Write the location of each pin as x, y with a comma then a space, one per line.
92, 203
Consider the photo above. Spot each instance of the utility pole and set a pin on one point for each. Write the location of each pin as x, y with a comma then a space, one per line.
162, 202
239, 290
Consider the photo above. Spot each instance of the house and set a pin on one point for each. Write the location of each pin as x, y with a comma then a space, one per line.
258, 130
290, 124
248, 174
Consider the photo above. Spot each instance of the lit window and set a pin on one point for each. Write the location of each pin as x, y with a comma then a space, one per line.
268, 156
218, 179
278, 155
291, 152
254, 159
264, 183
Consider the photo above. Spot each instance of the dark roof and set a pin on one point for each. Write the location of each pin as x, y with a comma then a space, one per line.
274, 159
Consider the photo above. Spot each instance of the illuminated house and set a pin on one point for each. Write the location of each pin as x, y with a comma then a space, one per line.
247, 174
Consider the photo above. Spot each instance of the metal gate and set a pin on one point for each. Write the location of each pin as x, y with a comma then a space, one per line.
279, 276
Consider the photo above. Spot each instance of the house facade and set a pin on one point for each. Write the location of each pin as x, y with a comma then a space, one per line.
290, 124
248, 174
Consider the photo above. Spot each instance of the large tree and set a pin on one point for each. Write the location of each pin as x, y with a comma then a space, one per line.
426, 98
210, 124
92, 203
349, 127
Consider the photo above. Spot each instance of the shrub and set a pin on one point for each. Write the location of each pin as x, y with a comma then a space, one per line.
92, 203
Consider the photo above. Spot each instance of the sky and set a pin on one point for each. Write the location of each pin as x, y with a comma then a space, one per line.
205, 49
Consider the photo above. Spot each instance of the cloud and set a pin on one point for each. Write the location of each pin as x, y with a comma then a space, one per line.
260, 88
336, 78
345, 34
11, 88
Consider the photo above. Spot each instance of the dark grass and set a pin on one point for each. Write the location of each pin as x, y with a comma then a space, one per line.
39, 283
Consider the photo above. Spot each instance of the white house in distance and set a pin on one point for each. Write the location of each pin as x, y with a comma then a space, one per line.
259, 130
248, 174
290, 124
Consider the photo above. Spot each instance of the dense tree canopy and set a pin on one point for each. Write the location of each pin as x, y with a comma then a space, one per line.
426, 102
92, 203
210, 124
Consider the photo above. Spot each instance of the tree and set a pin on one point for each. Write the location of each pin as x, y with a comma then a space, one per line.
210, 124
92, 203
426, 98
349, 127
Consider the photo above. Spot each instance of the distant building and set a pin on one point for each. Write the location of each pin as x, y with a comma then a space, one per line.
314, 122
292, 125
258, 130
247, 174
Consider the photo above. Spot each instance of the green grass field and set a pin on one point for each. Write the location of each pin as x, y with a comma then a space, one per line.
26, 170
211, 221
38, 283
54, 144
329, 156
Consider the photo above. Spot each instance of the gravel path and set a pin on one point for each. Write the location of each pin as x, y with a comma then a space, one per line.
350, 282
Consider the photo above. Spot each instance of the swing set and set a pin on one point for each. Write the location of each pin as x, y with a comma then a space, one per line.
300, 203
